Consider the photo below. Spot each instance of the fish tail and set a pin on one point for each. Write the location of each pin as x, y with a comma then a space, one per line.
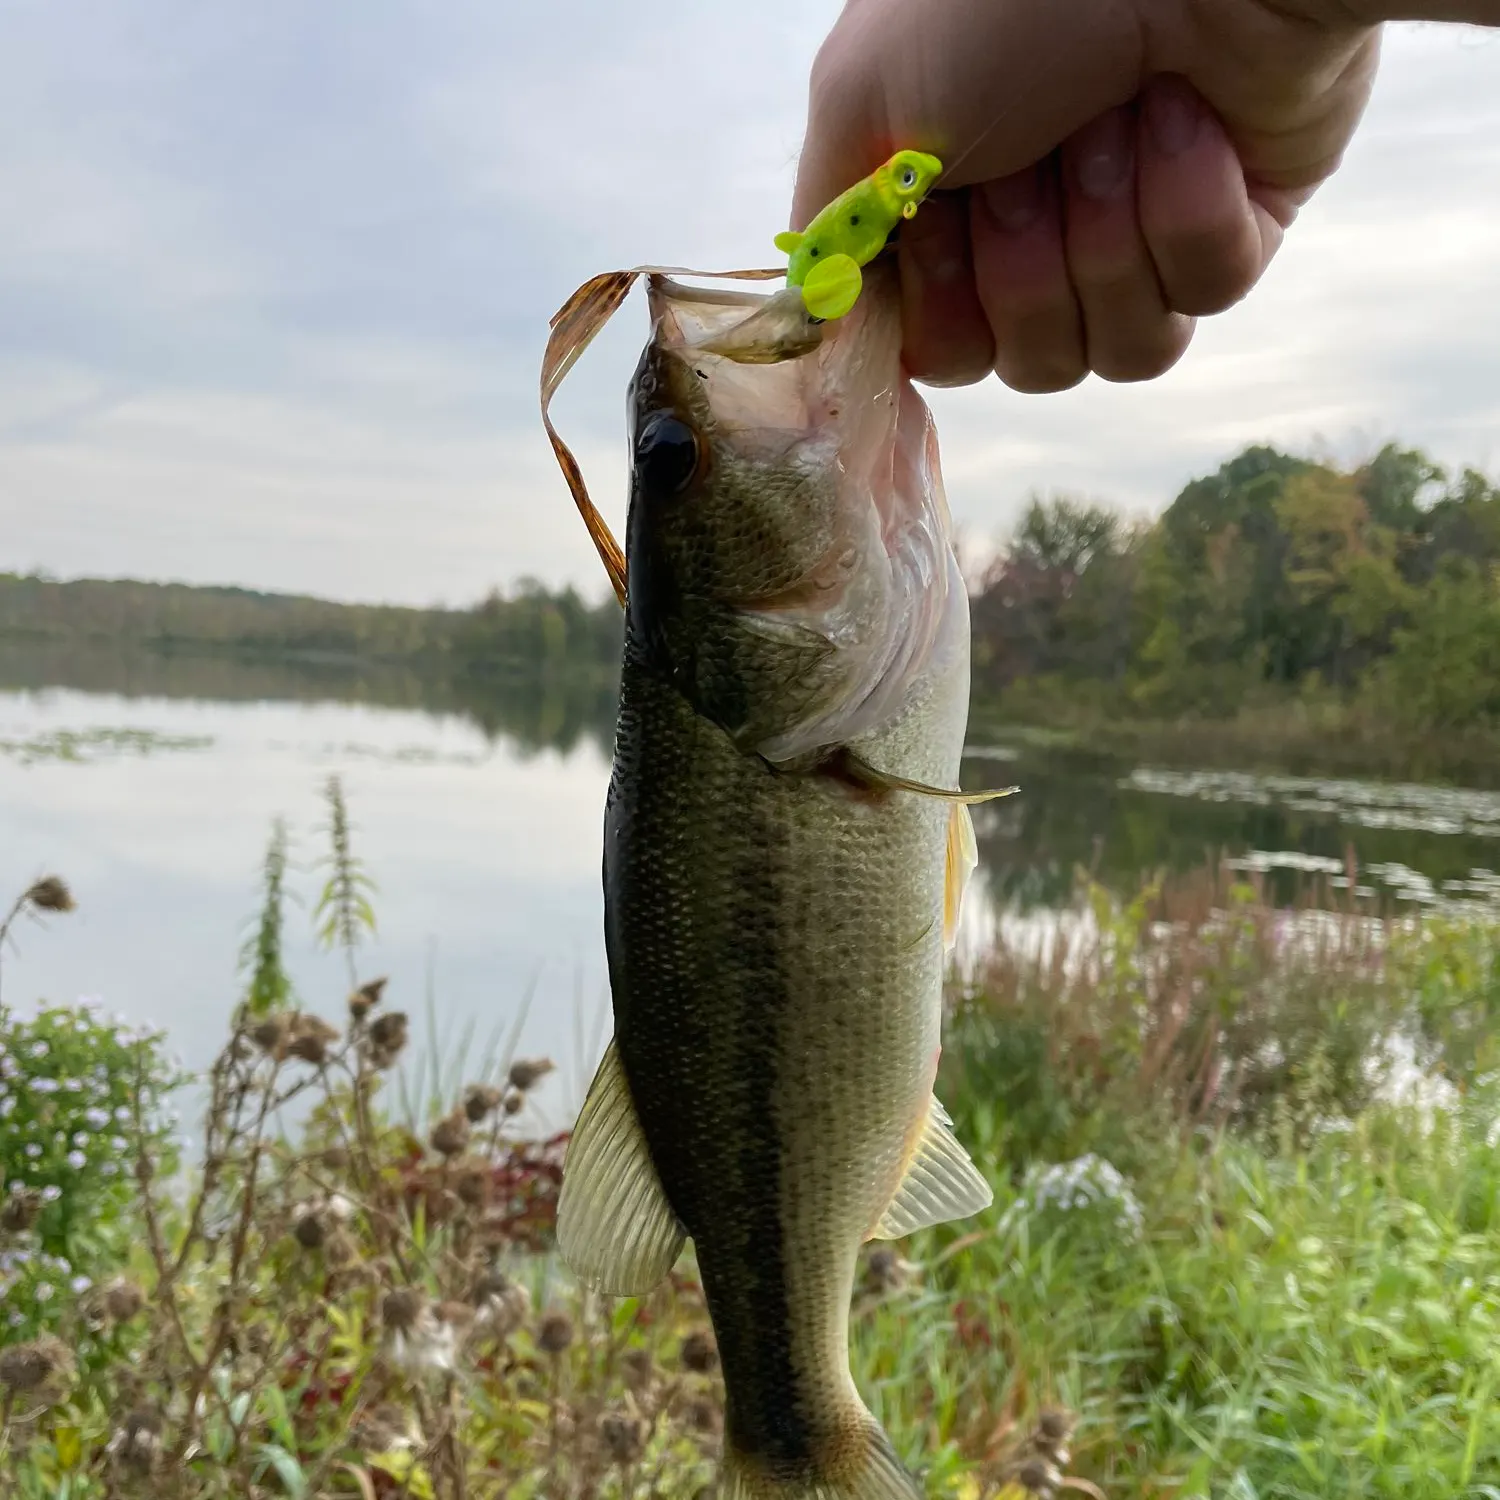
861, 1466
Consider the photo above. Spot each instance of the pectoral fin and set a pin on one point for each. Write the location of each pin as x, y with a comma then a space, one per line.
788, 240
615, 1228
832, 287
941, 1183
963, 856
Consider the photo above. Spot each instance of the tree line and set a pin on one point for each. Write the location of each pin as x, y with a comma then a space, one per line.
1377, 585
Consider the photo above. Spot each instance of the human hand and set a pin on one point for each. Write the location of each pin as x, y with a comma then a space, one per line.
1125, 166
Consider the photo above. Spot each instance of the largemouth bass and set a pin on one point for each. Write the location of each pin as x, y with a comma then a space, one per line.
783, 856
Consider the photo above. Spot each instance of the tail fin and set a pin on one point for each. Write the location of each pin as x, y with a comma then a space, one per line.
866, 1468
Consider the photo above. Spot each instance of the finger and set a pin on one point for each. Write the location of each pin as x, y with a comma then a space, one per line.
945, 338
1209, 242
1021, 274
988, 88
1130, 333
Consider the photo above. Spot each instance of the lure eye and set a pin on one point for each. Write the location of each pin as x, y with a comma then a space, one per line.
666, 454
909, 177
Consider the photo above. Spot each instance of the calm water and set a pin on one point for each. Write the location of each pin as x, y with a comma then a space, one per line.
485, 844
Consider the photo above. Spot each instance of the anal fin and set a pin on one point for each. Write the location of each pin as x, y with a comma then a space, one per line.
941, 1182
615, 1228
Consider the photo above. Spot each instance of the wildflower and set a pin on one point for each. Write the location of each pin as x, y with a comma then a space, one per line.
33, 1150
51, 893
366, 997
526, 1073
451, 1134
77, 1160
42, 1364
386, 1039
96, 1117
624, 1437
39, 1049
79, 1285
480, 1100
45, 1085
554, 1333
43, 1291
699, 1353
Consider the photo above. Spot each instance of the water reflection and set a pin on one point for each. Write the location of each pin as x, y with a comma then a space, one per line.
150, 783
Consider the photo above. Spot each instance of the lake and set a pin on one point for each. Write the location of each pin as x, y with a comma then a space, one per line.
153, 796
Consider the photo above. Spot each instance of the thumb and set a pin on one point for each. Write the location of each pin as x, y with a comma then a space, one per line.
987, 86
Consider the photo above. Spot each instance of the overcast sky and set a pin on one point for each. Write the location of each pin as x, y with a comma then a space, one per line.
275, 281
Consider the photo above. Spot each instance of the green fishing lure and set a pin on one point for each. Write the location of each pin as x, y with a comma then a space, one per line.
852, 230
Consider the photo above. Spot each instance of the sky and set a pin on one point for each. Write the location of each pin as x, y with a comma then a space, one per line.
275, 283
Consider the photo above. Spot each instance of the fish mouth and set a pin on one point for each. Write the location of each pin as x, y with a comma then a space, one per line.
888, 597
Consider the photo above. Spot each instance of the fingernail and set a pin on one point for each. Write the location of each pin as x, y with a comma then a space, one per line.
1101, 156
1172, 117
1014, 202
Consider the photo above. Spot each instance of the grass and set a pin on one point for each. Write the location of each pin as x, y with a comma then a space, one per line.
1227, 1258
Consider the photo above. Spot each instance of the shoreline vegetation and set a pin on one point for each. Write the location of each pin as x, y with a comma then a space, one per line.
1245, 1238
1280, 615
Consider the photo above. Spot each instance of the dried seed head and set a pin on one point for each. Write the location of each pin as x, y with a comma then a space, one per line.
699, 1352
310, 1039
639, 1368
703, 1416
451, 1134
885, 1271
480, 1100
514, 1102
122, 1299
271, 1034
554, 1333
526, 1073
366, 997
1038, 1477
472, 1183
458, 1315
138, 1439
400, 1309
502, 1304
387, 1037
20, 1209
310, 1230
1055, 1426
339, 1249
51, 893
383, 1428
624, 1437
29, 1367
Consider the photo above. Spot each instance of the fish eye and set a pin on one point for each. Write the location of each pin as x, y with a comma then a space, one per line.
666, 454
909, 177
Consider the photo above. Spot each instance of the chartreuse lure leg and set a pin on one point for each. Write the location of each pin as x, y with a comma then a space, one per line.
825, 258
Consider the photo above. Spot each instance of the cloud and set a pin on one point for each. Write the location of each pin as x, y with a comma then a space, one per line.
275, 284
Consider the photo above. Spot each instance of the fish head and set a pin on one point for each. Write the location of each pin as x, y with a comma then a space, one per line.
788, 540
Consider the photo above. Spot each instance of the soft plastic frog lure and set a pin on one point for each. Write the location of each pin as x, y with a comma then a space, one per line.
852, 230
